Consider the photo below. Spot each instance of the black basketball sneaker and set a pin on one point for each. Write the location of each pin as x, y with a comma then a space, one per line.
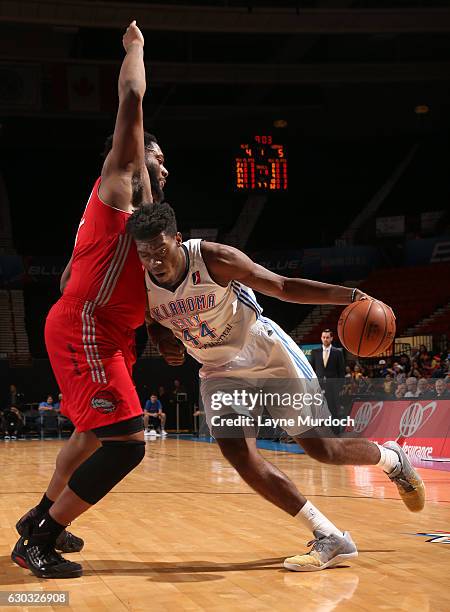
43, 560
66, 542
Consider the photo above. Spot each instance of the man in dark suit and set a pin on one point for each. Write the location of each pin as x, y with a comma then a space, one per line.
329, 365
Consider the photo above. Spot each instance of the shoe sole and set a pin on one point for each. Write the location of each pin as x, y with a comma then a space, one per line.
74, 574
314, 568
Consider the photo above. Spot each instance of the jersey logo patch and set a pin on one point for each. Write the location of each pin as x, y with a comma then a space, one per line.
196, 278
104, 402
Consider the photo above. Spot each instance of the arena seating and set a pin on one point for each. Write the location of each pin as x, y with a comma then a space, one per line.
414, 293
13, 336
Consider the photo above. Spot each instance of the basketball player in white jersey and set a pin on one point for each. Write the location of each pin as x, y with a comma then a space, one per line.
202, 293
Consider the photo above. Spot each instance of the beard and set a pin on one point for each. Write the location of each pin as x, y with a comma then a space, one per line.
157, 192
137, 197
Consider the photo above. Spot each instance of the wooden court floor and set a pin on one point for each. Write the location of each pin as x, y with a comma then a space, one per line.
183, 532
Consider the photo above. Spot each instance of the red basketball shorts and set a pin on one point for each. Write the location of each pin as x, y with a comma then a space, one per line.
92, 359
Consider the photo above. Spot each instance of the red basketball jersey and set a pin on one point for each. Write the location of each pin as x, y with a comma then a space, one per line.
106, 272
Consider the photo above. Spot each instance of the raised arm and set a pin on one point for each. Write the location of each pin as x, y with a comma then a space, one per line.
126, 158
226, 263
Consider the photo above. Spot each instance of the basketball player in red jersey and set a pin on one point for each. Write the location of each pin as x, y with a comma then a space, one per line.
89, 334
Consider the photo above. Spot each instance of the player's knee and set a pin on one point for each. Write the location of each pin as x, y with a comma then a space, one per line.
106, 468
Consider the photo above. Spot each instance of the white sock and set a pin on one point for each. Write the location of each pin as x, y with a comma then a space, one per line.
313, 518
388, 459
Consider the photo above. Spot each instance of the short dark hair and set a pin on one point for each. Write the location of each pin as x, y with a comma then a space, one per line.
327, 331
149, 139
150, 220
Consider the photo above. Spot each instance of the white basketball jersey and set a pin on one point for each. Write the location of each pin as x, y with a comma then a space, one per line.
211, 321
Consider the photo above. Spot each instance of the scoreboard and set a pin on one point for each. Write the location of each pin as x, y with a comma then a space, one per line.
261, 165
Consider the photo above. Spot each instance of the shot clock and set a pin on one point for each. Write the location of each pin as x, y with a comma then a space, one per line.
261, 165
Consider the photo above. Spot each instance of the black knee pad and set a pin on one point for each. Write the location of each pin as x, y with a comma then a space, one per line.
94, 478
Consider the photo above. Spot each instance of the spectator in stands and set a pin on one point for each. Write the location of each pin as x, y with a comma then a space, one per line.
427, 367
15, 397
411, 386
357, 372
177, 388
440, 390
422, 388
382, 368
442, 370
57, 405
398, 373
154, 417
163, 398
388, 386
348, 372
47, 405
400, 391
12, 423
415, 369
405, 362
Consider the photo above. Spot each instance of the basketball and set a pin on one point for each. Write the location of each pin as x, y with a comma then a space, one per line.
366, 328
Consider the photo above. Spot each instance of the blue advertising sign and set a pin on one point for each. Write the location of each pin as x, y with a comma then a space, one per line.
427, 251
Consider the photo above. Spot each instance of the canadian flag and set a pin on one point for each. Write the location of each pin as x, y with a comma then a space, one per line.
83, 88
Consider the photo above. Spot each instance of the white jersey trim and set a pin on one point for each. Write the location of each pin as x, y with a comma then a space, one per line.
90, 346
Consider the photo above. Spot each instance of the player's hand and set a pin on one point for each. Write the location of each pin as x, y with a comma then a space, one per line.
360, 295
172, 350
132, 35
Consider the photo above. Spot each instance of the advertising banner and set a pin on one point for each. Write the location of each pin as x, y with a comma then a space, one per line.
427, 251
422, 427
329, 264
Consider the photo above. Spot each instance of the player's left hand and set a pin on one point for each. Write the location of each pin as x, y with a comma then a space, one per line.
360, 295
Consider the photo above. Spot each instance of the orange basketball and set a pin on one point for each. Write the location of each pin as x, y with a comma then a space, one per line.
366, 328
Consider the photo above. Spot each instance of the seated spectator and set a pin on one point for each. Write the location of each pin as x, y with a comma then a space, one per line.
440, 390
415, 369
388, 385
15, 397
398, 373
400, 391
162, 396
423, 352
422, 388
348, 372
154, 417
441, 370
427, 368
382, 368
357, 373
405, 362
48, 405
12, 423
57, 405
411, 386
